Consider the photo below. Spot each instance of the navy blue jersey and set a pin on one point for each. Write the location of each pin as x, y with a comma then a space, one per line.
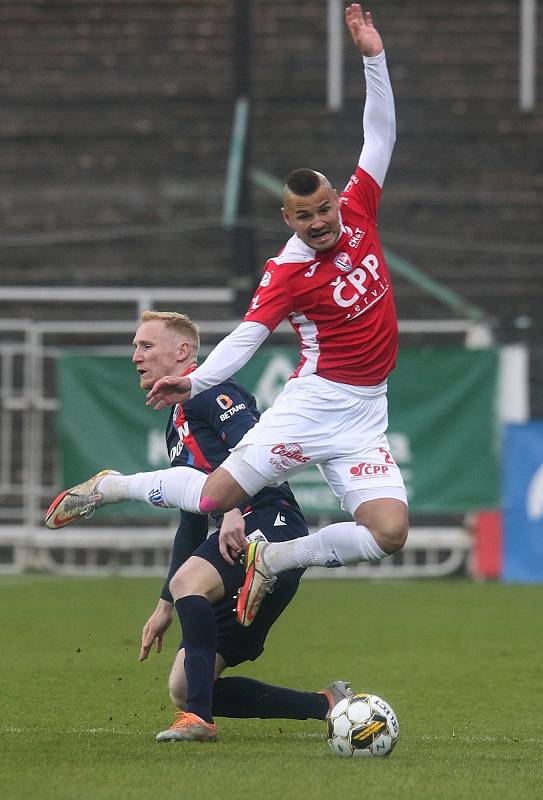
202, 431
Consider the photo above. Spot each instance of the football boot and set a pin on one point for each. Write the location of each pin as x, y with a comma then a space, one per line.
258, 582
188, 727
336, 691
79, 501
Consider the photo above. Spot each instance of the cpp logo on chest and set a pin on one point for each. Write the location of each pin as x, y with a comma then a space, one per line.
353, 290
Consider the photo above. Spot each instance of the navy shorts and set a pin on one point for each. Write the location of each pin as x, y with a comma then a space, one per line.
236, 643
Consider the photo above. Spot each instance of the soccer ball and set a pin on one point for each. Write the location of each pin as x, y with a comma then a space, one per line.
362, 725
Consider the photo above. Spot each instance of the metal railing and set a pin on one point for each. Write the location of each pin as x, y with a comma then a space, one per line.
85, 550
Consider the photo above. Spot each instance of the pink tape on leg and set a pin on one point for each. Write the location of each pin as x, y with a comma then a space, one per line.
208, 505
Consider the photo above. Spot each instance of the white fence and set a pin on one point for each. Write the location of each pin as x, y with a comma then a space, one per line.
429, 552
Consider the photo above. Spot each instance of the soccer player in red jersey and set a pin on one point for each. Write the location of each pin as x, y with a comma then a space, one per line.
331, 282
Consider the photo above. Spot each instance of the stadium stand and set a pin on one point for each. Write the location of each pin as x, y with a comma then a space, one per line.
116, 122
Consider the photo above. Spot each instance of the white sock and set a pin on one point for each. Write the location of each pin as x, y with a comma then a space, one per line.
332, 546
114, 488
177, 487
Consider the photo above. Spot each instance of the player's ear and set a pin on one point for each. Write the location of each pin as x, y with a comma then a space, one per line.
285, 215
182, 350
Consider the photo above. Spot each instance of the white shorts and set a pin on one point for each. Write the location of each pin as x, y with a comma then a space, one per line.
340, 428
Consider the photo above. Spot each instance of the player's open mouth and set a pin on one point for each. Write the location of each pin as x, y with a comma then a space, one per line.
320, 235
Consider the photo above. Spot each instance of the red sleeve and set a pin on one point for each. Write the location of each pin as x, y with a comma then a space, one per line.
272, 302
362, 194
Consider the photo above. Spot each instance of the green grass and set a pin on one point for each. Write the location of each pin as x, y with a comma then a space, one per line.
459, 662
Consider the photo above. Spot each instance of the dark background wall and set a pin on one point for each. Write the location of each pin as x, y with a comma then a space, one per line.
115, 129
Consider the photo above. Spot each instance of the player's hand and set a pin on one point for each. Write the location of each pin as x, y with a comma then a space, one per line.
155, 628
365, 36
168, 391
232, 535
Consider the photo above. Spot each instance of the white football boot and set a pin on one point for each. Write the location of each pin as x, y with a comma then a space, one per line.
79, 501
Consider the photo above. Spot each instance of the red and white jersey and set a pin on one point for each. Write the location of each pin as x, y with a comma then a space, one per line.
339, 301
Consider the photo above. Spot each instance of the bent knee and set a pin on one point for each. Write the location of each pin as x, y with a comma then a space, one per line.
392, 539
177, 585
387, 519
185, 581
185, 584
197, 577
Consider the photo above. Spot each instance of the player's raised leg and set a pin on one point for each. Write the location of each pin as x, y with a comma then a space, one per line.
176, 487
380, 529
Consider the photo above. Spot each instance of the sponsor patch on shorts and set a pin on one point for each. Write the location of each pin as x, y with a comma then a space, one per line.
289, 455
366, 470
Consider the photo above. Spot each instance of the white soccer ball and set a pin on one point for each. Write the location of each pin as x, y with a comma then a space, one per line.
363, 725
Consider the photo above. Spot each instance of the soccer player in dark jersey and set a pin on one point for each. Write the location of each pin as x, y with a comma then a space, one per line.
331, 282
201, 583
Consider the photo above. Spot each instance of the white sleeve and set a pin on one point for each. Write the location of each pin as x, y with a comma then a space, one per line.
228, 356
379, 119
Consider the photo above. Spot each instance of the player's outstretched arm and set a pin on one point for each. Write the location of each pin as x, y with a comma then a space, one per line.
364, 34
379, 114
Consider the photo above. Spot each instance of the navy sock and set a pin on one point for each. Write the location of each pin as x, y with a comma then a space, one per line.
200, 642
245, 698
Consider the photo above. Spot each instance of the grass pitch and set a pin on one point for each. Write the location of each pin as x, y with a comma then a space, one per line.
459, 662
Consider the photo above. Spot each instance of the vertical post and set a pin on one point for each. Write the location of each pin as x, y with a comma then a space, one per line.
527, 55
243, 250
334, 78
32, 437
234, 172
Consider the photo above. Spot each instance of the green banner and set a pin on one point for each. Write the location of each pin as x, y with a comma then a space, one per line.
444, 429
443, 425
104, 423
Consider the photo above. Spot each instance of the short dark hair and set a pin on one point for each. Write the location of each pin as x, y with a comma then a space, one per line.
303, 181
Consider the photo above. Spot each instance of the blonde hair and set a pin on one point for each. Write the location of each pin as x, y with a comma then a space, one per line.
181, 323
